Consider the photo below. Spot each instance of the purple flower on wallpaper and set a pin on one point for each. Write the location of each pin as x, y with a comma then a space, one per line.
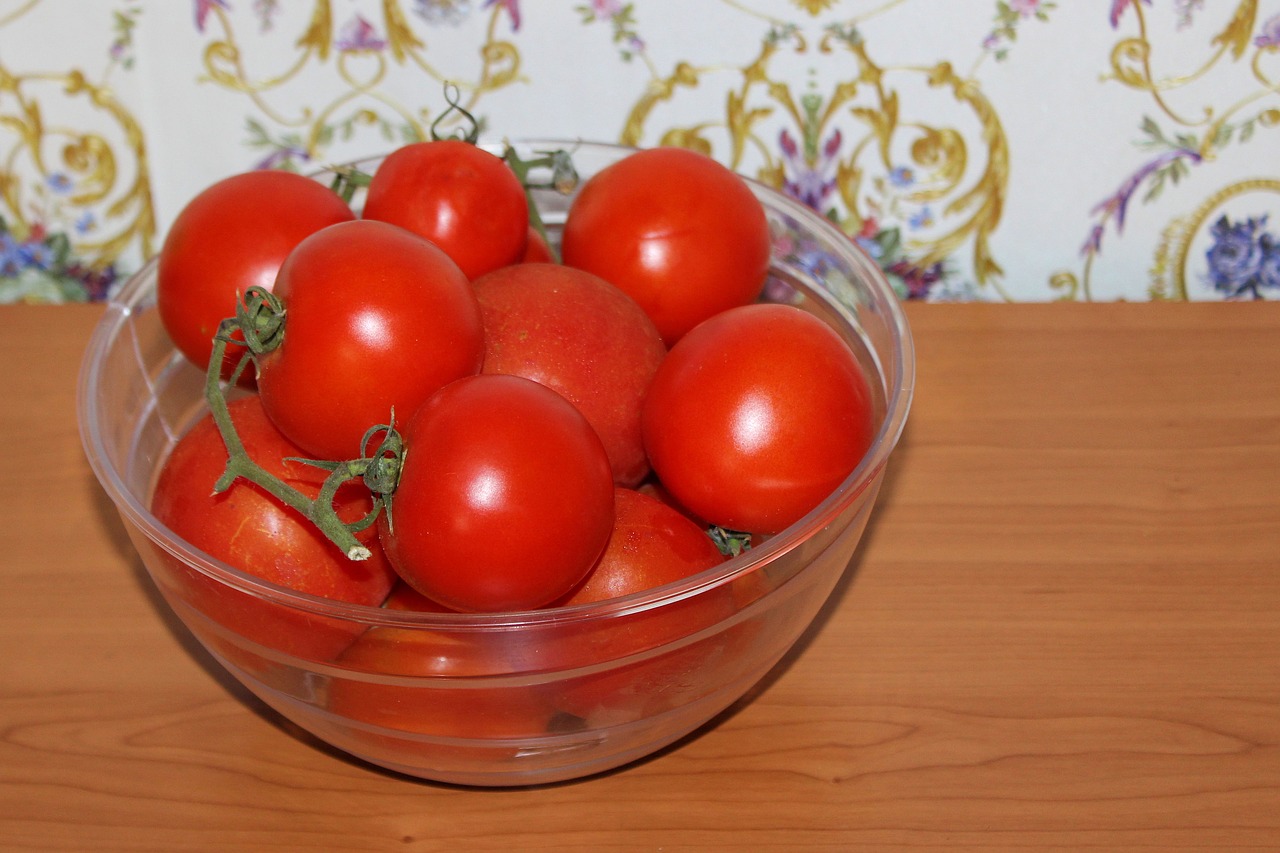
606, 8
358, 34
1269, 35
918, 281
1117, 204
621, 18
1118, 8
1243, 258
1026, 8
40, 265
204, 7
809, 183
1186, 10
512, 8
284, 157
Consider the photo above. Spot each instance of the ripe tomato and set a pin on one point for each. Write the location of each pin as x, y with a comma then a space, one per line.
505, 498
652, 544
756, 416
232, 236
536, 250
376, 318
251, 530
460, 197
463, 710
581, 336
680, 233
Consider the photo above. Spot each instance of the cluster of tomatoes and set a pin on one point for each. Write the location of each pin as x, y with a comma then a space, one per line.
494, 427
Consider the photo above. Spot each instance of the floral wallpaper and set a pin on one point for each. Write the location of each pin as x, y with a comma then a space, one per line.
1003, 150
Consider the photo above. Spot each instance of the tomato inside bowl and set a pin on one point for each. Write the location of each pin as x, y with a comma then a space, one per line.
522, 697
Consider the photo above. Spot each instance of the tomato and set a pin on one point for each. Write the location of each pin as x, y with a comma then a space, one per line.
576, 333
505, 497
232, 236
251, 530
651, 545
536, 249
680, 233
462, 710
376, 319
460, 197
756, 416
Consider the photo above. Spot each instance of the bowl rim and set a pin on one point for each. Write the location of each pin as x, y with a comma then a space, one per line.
125, 302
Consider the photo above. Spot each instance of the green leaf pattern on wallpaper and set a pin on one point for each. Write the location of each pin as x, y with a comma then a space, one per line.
1019, 150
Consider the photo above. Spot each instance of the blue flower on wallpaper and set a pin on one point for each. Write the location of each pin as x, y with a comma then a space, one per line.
39, 266
1244, 258
921, 218
58, 182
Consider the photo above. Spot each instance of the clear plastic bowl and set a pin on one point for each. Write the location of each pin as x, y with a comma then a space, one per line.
517, 698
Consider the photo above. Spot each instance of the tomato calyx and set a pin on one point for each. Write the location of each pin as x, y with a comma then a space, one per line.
260, 318
730, 542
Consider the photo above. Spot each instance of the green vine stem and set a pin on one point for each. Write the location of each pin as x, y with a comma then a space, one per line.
564, 179
260, 320
469, 132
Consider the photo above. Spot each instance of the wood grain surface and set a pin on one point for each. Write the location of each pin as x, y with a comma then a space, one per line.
1062, 632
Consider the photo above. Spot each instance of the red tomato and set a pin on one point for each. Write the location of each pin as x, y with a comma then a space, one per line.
376, 318
680, 233
652, 544
505, 498
251, 530
581, 336
232, 236
471, 711
756, 416
536, 249
460, 197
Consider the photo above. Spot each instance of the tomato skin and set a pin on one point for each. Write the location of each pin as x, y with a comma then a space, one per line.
652, 544
536, 249
581, 336
680, 233
251, 530
460, 197
467, 711
376, 318
231, 236
505, 498
756, 416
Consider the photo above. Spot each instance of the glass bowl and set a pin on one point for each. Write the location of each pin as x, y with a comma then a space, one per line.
514, 698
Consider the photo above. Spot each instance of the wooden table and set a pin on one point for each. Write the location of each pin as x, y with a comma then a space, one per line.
1061, 632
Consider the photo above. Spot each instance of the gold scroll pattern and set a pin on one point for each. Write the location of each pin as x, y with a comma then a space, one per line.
1188, 131
75, 190
363, 58
909, 182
